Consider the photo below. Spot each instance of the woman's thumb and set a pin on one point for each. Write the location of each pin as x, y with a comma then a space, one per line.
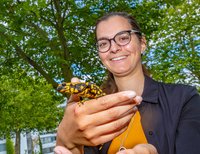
74, 97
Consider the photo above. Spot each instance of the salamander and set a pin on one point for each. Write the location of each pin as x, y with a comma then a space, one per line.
86, 90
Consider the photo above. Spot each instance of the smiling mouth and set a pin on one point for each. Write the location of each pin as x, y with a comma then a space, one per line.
118, 58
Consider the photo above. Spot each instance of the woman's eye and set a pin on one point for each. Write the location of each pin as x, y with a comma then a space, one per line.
123, 38
102, 44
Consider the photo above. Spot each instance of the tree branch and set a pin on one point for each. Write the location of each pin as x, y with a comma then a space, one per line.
26, 58
66, 70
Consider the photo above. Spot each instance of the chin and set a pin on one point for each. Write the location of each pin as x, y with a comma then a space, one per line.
120, 73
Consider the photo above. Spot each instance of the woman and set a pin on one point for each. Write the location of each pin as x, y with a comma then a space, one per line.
168, 117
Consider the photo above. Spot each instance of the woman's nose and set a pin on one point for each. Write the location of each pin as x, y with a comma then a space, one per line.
114, 46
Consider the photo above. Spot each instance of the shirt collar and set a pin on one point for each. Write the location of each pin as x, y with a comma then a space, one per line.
150, 92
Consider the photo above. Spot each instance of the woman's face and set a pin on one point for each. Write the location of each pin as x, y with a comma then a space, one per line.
120, 60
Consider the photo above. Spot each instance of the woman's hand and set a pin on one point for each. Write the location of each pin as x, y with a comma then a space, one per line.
140, 149
96, 121
61, 150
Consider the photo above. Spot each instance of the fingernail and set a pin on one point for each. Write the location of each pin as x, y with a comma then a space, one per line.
129, 94
57, 151
75, 79
135, 108
138, 99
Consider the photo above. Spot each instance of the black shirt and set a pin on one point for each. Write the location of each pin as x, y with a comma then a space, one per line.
170, 117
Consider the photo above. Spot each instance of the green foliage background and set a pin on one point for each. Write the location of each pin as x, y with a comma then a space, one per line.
44, 42
9, 146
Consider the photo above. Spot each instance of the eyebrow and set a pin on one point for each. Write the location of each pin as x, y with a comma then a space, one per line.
106, 38
103, 38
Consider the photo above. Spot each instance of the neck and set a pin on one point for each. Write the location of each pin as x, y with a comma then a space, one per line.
133, 82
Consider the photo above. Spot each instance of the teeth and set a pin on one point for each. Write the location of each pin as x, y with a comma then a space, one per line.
119, 58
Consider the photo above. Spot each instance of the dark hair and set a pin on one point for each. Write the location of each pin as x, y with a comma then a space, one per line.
109, 86
125, 15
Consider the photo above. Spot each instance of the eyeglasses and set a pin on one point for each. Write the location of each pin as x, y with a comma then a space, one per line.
122, 38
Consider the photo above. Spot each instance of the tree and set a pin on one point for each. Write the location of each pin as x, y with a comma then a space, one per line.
174, 54
55, 37
9, 145
40, 145
27, 104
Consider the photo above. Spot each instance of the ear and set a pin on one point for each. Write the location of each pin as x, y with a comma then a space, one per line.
143, 44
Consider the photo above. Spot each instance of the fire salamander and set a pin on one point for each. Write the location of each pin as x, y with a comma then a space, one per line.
83, 89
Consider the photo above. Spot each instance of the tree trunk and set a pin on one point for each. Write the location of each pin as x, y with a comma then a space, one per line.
17, 142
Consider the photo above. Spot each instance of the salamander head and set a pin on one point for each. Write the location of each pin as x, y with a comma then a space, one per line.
63, 87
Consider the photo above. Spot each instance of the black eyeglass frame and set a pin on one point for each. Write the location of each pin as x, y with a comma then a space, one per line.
126, 31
